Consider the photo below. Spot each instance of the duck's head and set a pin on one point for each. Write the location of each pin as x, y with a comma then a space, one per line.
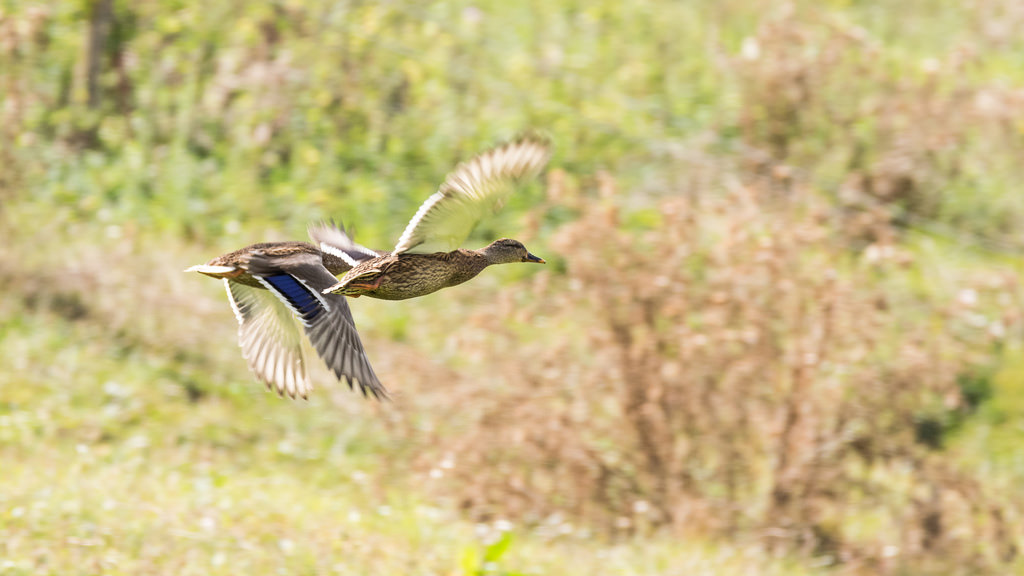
507, 250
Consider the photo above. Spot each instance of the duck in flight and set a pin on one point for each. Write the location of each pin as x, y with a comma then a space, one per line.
276, 287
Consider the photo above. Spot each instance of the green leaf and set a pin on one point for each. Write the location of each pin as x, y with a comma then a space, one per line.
495, 551
469, 560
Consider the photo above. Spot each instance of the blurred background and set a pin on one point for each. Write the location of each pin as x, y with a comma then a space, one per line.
779, 331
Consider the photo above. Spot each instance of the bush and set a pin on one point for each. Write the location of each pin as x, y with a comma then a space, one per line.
734, 369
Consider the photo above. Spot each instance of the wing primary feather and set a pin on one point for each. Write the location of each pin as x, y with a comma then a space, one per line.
268, 337
334, 239
469, 193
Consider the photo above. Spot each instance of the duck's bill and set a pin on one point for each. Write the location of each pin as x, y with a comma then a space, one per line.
532, 258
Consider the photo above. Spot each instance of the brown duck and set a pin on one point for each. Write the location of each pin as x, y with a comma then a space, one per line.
272, 285
426, 258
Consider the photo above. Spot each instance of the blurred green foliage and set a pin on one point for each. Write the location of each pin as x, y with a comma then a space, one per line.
271, 114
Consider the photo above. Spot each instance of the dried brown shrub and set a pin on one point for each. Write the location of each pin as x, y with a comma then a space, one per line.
732, 369
895, 138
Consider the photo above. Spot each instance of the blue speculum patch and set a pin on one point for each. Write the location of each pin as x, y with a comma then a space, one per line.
296, 294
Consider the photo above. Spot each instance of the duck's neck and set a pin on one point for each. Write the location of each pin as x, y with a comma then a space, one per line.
463, 265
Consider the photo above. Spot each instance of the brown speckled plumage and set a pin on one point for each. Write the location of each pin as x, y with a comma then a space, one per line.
403, 276
411, 275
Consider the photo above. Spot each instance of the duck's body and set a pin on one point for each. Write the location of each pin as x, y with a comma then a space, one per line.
402, 276
273, 285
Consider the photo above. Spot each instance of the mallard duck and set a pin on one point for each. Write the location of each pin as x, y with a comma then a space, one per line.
426, 258
271, 285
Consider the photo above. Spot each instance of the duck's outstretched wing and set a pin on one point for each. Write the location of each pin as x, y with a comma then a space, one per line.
297, 281
473, 190
334, 239
270, 339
